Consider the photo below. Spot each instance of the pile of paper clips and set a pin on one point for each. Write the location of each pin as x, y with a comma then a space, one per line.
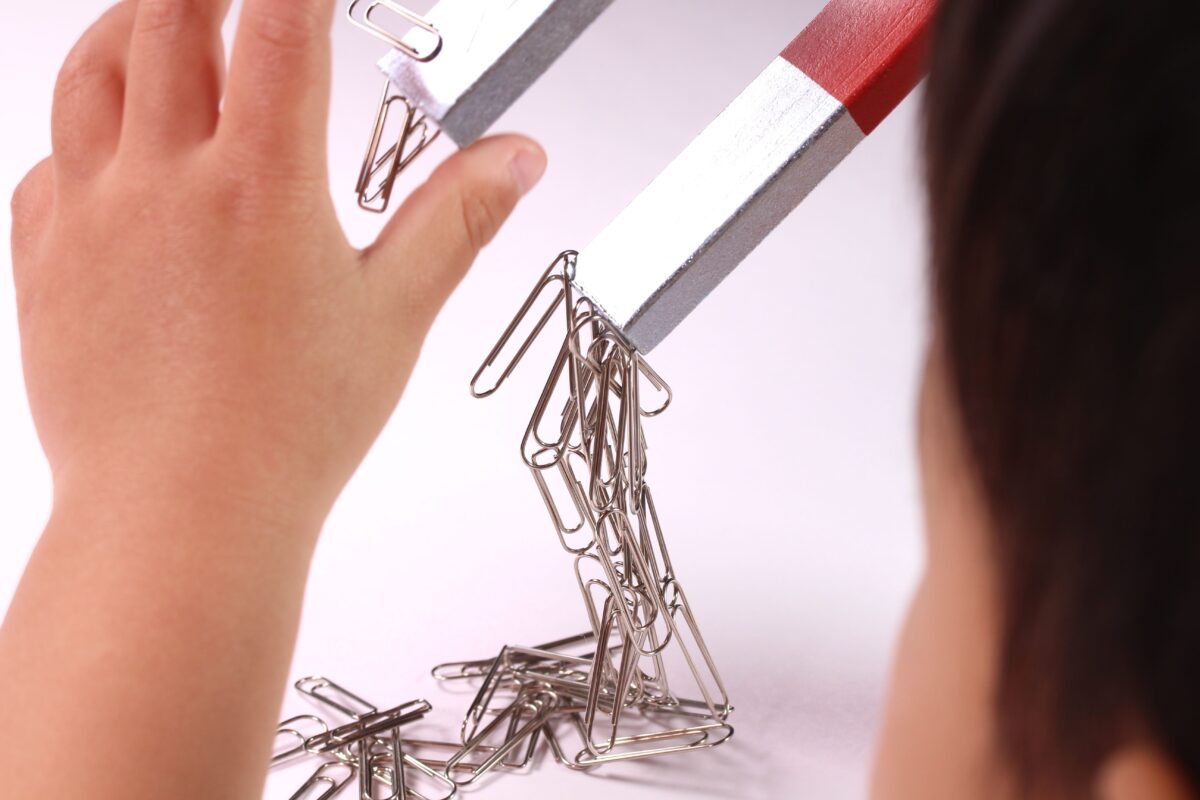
598, 697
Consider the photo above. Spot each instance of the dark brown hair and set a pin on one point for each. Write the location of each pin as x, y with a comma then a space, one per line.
1063, 157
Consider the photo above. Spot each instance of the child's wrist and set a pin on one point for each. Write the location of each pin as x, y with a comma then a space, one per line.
187, 488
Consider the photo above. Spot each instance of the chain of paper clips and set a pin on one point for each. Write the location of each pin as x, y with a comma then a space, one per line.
598, 697
377, 177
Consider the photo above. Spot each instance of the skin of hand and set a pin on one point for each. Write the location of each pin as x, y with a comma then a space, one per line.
207, 361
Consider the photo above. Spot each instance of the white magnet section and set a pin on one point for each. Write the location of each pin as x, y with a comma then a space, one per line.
492, 51
714, 203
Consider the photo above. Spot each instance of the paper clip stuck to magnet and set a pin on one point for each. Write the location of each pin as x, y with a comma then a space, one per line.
647, 684
457, 69
365, 19
377, 176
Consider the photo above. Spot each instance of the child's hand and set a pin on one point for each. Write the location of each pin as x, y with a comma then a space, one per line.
189, 307
207, 361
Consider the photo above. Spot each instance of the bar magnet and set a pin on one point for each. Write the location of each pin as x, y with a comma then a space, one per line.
490, 53
728, 189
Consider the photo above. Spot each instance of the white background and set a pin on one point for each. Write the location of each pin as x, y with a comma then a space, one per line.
784, 471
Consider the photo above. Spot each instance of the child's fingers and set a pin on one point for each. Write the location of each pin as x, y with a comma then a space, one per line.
176, 70
428, 245
86, 118
277, 101
31, 205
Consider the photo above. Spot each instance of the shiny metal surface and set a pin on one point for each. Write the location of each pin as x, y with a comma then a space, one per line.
377, 175
491, 52
366, 14
714, 203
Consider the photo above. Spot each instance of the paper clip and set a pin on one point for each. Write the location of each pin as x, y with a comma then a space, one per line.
388, 770
412, 763
326, 774
649, 685
377, 175
367, 725
330, 694
524, 716
290, 729
478, 668
493, 51
460, 66
548, 280
586, 540
366, 21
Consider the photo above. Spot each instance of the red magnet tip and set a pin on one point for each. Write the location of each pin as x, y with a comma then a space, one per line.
869, 54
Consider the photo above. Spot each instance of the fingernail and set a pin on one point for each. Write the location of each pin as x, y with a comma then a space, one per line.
528, 166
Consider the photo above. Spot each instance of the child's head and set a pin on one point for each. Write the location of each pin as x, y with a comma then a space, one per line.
1055, 641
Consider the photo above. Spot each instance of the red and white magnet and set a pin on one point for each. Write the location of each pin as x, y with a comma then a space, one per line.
753, 164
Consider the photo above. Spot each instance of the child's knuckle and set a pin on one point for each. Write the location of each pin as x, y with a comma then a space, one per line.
286, 26
256, 195
79, 72
243, 198
164, 18
480, 219
24, 201
252, 178
20, 200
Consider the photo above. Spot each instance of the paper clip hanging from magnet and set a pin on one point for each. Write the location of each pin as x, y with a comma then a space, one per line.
647, 685
377, 176
458, 68
365, 20
378, 173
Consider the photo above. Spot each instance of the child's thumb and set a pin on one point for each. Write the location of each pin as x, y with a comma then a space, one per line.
432, 240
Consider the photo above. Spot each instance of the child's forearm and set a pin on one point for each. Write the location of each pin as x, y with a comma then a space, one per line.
145, 652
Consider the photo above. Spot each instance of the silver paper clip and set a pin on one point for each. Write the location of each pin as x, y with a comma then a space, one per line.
290, 731
457, 69
332, 775
367, 725
330, 694
377, 176
365, 19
